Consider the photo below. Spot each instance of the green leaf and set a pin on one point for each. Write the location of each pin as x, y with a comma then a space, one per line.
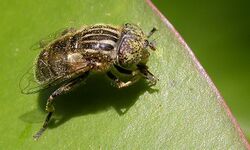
214, 41
183, 111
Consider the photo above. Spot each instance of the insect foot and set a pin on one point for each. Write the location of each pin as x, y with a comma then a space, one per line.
152, 81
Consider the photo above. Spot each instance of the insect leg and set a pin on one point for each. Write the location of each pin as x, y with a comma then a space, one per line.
121, 84
61, 90
141, 70
147, 74
122, 70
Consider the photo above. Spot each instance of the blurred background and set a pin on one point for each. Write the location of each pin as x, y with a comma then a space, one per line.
218, 31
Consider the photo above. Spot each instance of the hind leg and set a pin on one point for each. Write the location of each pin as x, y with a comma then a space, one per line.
61, 90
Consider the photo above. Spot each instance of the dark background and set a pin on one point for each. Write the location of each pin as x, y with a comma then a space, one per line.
218, 31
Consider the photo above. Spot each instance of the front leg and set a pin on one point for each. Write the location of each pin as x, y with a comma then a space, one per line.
141, 71
147, 74
121, 84
49, 106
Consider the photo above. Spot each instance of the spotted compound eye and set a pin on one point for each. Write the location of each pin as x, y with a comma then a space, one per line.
131, 48
130, 51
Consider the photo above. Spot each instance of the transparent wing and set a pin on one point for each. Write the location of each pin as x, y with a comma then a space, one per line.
49, 38
29, 85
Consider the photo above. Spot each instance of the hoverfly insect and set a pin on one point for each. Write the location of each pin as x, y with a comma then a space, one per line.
71, 57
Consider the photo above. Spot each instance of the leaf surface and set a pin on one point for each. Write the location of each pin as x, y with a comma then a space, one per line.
183, 111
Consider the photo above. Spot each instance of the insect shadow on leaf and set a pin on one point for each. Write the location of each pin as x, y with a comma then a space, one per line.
97, 95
